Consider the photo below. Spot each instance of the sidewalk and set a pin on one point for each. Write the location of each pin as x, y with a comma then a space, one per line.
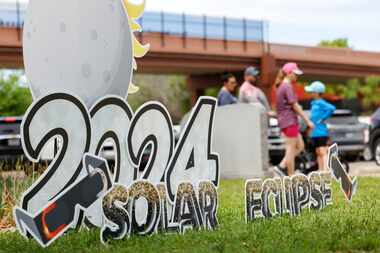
365, 169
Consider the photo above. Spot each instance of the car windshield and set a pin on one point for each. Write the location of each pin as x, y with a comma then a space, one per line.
344, 119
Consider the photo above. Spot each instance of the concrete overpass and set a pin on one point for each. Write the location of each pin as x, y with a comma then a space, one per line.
203, 60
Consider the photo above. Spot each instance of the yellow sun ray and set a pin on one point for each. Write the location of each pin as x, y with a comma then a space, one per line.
138, 49
135, 11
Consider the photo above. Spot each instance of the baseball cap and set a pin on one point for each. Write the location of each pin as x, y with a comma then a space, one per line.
317, 87
251, 71
292, 67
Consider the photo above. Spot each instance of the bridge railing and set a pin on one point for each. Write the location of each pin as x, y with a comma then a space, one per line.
12, 14
206, 27
221, 28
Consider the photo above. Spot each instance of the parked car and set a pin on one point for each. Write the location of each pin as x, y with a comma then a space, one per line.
374, 142
350, 135
345, 130
109, 154
367, 153
276, 144
11, 148
10, 140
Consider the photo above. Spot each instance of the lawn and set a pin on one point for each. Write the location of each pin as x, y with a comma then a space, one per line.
339, 228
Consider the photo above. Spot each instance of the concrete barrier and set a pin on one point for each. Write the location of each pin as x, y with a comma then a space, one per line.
240, 138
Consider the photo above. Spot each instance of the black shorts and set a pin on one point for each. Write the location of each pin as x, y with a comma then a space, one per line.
320, 142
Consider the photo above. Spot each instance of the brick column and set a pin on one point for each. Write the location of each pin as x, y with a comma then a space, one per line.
268, 74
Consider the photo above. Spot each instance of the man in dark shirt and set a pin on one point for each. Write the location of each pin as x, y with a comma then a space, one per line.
225, 96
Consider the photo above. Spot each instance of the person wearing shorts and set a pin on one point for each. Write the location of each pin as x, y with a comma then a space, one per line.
288, 110
320, 112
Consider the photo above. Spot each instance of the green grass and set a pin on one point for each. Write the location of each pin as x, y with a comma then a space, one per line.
339, 228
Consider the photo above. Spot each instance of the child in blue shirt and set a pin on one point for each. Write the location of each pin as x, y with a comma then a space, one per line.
320, 112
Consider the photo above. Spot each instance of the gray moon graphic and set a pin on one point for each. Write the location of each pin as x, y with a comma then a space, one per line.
82, 47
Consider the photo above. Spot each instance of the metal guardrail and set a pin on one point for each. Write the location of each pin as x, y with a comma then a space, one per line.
11, 14
206, 27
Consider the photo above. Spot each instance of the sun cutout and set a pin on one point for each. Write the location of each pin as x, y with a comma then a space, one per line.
134, 12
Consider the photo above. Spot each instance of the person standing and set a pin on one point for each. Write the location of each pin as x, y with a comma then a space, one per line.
320, 112
249, 92
288, 110
225, 96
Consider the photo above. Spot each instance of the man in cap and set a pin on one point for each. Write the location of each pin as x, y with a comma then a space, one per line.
249, 92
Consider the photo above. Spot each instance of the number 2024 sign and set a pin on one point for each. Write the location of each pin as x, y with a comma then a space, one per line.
80, 71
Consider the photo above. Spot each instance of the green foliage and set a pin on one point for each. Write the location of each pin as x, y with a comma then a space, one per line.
170, 90
351, 89
370, 91
1, 198
14, 99
342, 227
336, 89
212, 92
367, 90
337, 43
179, 94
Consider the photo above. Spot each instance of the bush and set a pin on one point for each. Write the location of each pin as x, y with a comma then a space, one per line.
170, 90
364, 91
14, 98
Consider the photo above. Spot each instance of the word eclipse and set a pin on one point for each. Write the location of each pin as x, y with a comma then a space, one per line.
289, 195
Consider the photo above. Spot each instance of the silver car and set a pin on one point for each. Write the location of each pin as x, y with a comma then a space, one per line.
345, 129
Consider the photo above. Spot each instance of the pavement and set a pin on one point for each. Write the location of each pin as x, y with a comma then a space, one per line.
358, 169
365, 169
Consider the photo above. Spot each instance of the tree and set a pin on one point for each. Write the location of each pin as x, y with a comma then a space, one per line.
370, 91
337, 43
14, 99
365, 91
170, 90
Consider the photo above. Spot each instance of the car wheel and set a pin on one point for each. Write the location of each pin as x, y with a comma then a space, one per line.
300, 165
367, 154
377, 152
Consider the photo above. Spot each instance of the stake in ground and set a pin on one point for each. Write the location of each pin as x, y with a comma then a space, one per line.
338, 228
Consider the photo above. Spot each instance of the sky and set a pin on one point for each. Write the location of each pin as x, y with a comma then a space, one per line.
301, 22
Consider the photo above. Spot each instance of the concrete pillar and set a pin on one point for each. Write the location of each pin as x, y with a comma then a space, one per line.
268, 73
240, 139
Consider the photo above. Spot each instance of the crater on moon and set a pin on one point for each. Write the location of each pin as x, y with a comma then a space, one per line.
106, 76
62, 27
86, 70
94, 35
